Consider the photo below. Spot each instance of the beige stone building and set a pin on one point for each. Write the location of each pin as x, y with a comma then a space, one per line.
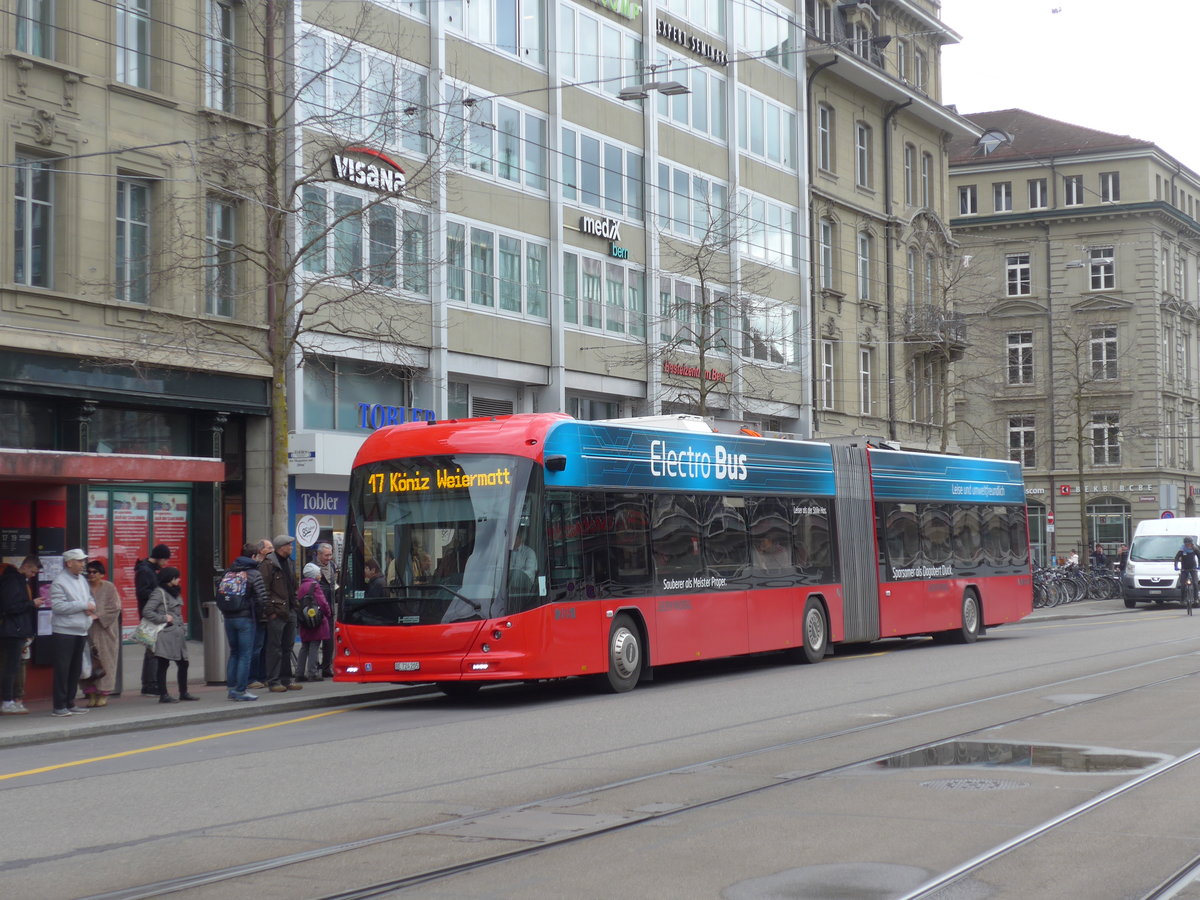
886, 334
123, 426
1082, 308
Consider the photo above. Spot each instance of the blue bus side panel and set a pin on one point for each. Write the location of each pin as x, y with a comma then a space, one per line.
614, 457
896, 475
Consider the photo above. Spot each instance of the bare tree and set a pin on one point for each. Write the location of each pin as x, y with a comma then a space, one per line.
711, 324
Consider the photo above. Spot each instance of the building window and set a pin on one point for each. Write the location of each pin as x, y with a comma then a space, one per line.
218, 53
133, 241
926, 179
507, 272
1169, 352
863, 267
219, 281
515, 27
902, 59
33, 208
594, 54
1020, 357
768, 332
343, 394
618, 306
133, 42
1072, 190
863, 155
766, 129
910, 276
363, 95
371, 241
827, 375
1106, 435
910, 173
920, 68
1002, 199
865, 358
1110, 186
601, 174
1017, 274
968, 200
590, 409
770, 234
1038, 198
1021, 437
706, 14
35, 27
703, 110
692, 317
825, 250
820, 19
1104, 353
499, 139
825, 137
1102, 267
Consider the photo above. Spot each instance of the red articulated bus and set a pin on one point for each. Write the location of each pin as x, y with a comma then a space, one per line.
532, 547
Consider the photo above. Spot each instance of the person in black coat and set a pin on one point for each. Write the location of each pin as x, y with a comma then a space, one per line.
18, 623
145, 582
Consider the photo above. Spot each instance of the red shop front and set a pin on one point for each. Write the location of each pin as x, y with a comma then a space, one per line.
114, 506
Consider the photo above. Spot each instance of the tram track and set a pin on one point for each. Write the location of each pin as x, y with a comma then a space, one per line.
244, 874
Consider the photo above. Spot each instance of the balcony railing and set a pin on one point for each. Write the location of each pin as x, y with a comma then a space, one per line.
933, 325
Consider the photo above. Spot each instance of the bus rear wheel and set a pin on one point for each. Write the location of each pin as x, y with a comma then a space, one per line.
972, 619
814, 633
624, 655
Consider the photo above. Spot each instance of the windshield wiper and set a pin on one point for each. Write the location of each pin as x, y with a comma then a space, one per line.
401, 591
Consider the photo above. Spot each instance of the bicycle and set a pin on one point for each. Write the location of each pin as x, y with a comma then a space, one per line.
1188, 589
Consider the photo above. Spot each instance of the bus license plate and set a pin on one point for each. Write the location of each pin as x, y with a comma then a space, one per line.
407, 666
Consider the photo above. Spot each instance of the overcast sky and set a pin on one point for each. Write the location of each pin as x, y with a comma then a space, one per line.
1122, 67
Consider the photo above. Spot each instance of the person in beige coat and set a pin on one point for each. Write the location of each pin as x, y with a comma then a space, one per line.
104, 635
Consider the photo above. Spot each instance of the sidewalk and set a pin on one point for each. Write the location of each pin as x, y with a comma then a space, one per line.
134, 712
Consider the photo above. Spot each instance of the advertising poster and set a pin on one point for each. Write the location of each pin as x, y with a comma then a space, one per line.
97, 527
16, 528
130, 542
170, 527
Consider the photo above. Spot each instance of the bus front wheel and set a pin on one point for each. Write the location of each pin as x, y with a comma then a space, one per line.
624, 655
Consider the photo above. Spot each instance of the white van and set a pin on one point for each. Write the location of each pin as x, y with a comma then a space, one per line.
1150, 572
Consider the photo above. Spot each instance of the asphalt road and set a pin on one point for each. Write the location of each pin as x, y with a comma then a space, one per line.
1070, 749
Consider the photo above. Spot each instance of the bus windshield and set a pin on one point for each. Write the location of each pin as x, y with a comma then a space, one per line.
434, 539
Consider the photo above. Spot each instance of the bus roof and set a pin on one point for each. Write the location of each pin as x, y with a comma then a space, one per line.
516, 435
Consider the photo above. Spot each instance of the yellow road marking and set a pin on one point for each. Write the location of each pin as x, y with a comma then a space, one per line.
172, 745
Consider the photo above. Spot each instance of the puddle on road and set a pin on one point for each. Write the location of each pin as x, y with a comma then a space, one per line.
1056, 757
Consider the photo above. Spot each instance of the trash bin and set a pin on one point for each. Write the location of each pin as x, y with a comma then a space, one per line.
216, 649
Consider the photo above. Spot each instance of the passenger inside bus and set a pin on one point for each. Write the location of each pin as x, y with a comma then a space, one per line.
770, 556
376, 585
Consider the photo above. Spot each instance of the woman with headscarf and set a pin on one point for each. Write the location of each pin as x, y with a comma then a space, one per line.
104, 636
165, 607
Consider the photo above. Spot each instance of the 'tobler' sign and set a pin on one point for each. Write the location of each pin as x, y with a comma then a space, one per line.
387, 177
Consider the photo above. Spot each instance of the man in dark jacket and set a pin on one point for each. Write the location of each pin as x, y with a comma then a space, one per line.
18, 623
240, 626
145, 580
280, 615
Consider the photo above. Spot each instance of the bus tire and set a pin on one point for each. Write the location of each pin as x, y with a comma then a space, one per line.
814, 633
625, 657
459, 690
972, 620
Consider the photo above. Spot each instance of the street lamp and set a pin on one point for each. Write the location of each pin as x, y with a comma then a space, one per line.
642, 91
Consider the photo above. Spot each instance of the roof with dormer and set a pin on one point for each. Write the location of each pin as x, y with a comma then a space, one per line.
1036, 136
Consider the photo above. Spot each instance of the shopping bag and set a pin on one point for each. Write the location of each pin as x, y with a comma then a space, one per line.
147, 633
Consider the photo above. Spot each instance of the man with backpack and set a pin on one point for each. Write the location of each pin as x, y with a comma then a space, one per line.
240, 597
145, 581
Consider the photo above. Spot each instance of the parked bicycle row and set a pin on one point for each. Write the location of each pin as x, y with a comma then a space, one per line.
1056, 585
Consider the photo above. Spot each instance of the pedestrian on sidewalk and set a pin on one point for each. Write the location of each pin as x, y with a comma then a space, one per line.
311, 637
104, 636
280, 580
258, 656
18, 624
145, 582
323, 556
241, 625
165, 607
73, 610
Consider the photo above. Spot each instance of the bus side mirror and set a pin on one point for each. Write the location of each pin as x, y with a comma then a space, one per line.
556, 463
